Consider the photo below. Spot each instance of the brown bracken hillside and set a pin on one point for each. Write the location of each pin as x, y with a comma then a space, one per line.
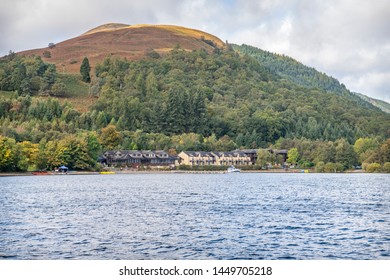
129, 41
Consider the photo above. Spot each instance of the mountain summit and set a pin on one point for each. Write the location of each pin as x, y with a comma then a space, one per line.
130, 41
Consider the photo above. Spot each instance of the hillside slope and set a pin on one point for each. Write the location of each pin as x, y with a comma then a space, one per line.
384, 106
298, 73
127, 41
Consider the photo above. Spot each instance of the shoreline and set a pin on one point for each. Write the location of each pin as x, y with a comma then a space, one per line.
115, 172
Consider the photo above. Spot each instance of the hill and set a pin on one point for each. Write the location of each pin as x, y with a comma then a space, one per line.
185, 90
127, 41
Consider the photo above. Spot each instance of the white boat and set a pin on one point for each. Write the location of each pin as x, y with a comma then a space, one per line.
232, 169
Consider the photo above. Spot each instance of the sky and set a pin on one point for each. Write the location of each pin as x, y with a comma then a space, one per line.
346, 39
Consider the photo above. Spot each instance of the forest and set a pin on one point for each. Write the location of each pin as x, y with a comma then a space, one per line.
241, 97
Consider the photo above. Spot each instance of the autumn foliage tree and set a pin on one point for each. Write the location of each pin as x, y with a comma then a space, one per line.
110, 137
8, 154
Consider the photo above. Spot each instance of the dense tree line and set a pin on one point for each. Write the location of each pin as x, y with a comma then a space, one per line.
337, 155
81, 150
29, 75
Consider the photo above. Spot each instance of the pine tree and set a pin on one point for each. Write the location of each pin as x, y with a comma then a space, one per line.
84, 70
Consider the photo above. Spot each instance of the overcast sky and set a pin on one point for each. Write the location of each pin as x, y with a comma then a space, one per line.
347, 39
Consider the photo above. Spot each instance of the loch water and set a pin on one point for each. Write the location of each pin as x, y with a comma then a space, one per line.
196, 216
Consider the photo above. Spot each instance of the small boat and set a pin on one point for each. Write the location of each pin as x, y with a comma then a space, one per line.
40, 173
232, 169
107, 172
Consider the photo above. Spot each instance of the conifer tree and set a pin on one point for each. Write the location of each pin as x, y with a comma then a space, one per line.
85, 68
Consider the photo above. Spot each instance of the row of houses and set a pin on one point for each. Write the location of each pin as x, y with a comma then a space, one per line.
213, 158
135, 158
236, 157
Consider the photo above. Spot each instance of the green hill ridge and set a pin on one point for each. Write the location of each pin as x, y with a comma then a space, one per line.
303, 75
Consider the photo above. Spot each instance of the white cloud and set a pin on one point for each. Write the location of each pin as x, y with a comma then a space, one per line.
347, 39
377, 83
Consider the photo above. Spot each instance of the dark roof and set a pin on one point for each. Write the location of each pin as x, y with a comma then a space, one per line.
249, 151
148, 154
134, 154
197, 154
161, 154
235, 153
121, 154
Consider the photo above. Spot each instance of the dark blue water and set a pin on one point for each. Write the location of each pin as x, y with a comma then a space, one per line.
196, 216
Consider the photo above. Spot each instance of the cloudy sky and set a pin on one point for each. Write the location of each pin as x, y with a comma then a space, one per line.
347, 39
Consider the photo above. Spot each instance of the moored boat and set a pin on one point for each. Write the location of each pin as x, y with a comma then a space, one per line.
232, 169
40, 173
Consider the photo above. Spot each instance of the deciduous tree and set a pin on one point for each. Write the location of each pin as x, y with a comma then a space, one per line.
293, 156
110, 137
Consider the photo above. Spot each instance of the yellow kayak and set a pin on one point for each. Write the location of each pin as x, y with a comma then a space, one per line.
107, 172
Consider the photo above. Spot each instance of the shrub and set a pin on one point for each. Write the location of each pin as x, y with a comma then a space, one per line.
386, 167
320, 167
153, 54
373, 167
340, 167
58, 89
203, 168
305, 164
250, 167
330, 167
46, 54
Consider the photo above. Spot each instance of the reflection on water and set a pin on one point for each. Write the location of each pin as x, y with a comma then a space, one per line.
196, 216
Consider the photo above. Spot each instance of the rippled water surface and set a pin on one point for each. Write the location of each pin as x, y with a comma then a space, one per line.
196, 216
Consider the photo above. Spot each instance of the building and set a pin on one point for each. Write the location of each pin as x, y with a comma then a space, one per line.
282, 153
252, 154
232, 158
196, 158
192, 158
135, 158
